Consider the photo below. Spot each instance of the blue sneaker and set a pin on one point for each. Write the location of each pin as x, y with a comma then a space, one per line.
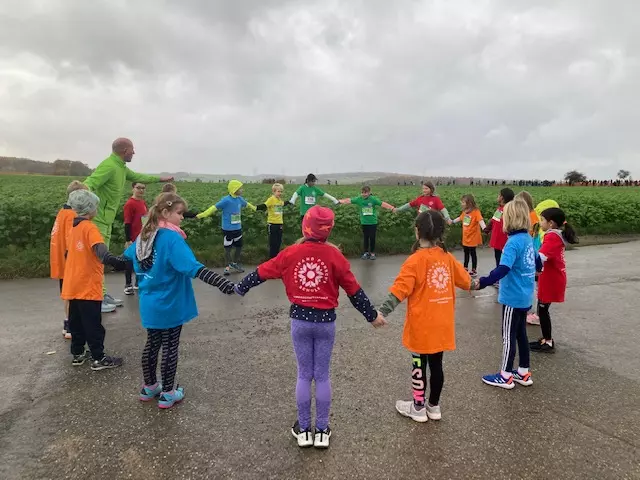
497, 380
148, 393
524, 380
237, 267
169, 399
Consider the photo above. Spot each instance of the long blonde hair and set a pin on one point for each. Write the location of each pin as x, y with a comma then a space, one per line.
164, 201
516, 216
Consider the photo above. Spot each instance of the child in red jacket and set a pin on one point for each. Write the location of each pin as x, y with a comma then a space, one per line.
312, 271
552, 282
498, 236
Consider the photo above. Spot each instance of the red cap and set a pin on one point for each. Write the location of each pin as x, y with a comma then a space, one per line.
317, 223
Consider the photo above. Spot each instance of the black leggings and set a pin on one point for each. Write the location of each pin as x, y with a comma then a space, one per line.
129, 276
470, 252
85, 326
545, 320
498, 254
369, 233
169, 340
419, 378
275, 239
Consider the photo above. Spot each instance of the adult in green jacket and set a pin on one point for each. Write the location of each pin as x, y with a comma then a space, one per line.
108, 182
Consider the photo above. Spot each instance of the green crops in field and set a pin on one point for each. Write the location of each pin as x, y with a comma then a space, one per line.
30, 204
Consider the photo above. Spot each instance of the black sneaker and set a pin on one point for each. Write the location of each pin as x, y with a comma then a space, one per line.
322, 438
543, 347
304, 437
106, 362
79, 360
535, 345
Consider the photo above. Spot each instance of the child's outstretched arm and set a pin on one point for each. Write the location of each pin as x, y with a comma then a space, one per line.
507, 260
107, 258
294, 197
208, 212
190, 214
330, 197
345, 201
216, 280
251, 206
388, 206
402, 287
268, 270
403, 208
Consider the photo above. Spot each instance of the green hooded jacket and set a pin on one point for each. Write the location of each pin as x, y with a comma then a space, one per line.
107, 181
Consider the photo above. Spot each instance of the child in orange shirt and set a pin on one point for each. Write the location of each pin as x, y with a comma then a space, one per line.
472, 227
427, 279
82, 288
58, 247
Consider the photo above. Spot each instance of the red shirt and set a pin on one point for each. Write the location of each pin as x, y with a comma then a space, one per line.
552, 282
498, 237
134, 210
311, 273
423, 203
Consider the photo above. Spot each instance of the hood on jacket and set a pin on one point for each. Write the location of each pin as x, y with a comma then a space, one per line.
234, 186
542, 206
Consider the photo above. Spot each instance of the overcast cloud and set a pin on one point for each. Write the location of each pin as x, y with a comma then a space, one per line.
466, 87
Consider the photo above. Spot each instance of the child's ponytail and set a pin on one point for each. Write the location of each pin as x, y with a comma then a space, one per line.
152, 223
569, 234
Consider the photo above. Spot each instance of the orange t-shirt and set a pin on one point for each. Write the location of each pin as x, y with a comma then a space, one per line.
471, 232
428, 279
83, 272
533, 218
58, 245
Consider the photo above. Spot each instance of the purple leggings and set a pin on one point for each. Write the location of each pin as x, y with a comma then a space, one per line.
313, 344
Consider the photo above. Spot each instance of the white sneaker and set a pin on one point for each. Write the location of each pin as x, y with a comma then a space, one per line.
408, 409
304, 437
112, 301
322, 438
128, 290
108, 308
433, 412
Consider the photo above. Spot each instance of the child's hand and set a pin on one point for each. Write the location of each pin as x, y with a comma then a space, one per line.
237, 291
449, 222
379, 321
475, 284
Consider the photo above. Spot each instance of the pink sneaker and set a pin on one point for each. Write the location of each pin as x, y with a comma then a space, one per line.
533, 319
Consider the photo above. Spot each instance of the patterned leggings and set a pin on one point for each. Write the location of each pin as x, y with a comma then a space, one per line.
169, 340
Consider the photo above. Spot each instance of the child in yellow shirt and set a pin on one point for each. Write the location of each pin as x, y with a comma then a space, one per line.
274, 206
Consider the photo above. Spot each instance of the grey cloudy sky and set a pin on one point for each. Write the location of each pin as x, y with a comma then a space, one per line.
466, 87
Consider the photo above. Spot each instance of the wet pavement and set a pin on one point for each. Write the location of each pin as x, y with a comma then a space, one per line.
580, 419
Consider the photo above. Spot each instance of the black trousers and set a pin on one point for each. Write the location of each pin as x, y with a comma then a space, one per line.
514, 331
128, 275
498, 254
169, 340
419, 378
85, 326
545, 320
470, 252
369, 234
275, 239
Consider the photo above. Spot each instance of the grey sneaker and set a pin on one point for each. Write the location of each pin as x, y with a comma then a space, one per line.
112, 301
107, 308
128, 290
433, 412
408, 409
79, 360
237, 267
106, 362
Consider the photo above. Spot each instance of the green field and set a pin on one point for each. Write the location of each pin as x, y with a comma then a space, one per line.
30, 204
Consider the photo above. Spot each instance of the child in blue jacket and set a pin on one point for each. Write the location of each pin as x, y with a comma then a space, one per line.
231, 207
164, 265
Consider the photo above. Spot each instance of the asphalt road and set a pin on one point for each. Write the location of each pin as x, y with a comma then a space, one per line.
580, 419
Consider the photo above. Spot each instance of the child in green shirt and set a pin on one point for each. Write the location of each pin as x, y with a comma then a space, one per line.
309, 194
368, 205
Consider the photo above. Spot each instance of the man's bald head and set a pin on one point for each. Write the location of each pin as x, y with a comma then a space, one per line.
123, 147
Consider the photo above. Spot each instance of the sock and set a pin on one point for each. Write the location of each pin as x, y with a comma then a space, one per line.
506, 375
523, 371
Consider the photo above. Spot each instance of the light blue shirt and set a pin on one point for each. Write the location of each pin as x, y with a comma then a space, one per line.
516, 289
166, 294
231, 208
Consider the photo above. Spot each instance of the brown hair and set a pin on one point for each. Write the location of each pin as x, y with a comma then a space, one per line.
526, 196
366, 189
430, 184
165, 201
470, 201
516, 216
431, 227
76, 185
169, 188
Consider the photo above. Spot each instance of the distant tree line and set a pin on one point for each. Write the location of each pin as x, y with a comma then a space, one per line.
59, 167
